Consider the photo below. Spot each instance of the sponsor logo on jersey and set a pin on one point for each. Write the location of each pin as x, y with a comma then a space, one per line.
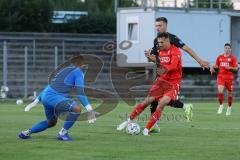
164, 59
224, 64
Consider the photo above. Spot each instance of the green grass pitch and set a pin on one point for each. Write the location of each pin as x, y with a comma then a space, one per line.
208, 137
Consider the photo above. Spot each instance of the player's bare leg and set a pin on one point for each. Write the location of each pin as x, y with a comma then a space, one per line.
137, 111
220, 98
229, 109
157, 114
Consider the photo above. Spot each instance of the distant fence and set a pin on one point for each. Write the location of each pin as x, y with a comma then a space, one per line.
28, 58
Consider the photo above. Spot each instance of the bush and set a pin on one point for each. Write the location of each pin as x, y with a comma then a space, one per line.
25, 15
35, 16
93, 23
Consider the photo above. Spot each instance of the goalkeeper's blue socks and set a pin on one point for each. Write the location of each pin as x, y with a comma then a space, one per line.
39, 127
68, 123
70, 120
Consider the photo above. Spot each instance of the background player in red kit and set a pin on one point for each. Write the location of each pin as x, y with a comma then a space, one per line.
227, 64
166, 86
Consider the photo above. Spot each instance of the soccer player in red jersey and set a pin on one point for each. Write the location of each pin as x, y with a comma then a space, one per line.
166, 86
226, 63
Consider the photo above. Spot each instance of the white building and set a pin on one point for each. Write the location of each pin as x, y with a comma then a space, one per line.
204, 30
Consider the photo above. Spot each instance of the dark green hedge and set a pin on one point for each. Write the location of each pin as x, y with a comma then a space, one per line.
35, 16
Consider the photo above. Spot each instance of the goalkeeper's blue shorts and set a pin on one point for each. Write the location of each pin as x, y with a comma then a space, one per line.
55, 104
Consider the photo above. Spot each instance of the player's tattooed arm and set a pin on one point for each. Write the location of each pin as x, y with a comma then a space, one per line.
149, 56
152, 58
161, 70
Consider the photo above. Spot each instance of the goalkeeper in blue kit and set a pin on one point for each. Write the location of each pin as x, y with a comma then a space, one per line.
56, 101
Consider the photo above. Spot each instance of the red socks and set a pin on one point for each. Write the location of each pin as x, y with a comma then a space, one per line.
155, 117
220, 98
229, 101
138, 110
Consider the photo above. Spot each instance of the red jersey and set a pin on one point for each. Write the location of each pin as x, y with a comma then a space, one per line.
172, 61
222, 62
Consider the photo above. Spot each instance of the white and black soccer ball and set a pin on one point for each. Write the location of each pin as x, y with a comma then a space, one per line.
19, 101
133, 129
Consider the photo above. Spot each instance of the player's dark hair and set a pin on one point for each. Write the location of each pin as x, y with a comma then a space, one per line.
227, 44
162, 19
77, 61
163, 35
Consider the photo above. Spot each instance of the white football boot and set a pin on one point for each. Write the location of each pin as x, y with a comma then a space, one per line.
145, 132
123, 125
220, 109
229, 110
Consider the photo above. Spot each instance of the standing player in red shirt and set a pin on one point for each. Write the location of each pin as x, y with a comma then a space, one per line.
166, 86
227, 64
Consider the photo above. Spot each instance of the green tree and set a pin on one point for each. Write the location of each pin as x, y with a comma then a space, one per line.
128, 3
36, 15
92, 6
25, 15
101, 17
69, 5
93, 23
9, 14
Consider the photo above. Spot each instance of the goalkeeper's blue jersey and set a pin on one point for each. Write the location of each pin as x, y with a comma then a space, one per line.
42, 93
63, 83
66, 79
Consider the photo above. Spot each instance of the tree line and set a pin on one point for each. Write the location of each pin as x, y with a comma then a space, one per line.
36, 15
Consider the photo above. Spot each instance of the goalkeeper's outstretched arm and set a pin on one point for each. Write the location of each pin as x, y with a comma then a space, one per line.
79, 83
31, 105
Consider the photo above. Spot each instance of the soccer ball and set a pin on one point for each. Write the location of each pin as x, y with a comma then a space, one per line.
133, 129
19, 102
